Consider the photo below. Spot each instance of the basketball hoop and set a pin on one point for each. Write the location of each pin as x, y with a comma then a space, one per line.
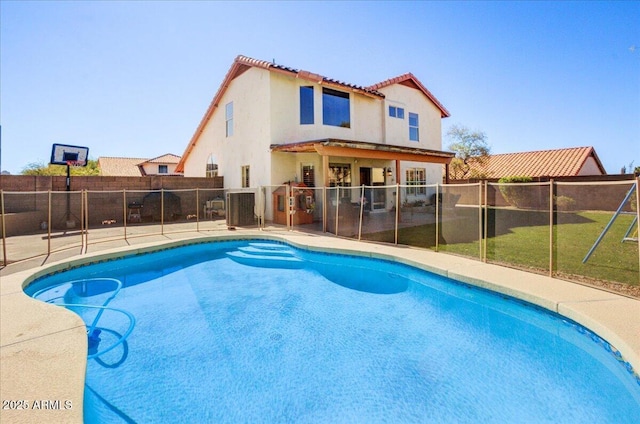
76, 163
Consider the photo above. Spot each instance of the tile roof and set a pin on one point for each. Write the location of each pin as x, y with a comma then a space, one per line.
543, 163
168, 158
242, 63
120, 167
410, 80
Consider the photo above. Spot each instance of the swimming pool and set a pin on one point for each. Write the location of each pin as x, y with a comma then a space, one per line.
248, 331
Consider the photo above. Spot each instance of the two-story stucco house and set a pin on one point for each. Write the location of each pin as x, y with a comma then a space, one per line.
269, 124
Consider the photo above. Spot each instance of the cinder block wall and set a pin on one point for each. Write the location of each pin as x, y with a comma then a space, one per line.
26, 198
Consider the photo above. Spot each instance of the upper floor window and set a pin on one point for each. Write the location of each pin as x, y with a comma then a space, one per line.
245, 176
163, 169
228, 117
413, 127
306, 105
335, 108
396, 112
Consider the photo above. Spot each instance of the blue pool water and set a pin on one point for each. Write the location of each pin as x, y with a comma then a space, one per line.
263, 332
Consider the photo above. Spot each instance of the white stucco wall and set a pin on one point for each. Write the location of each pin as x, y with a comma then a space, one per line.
365, 114
267, 111
249, 144
414, 101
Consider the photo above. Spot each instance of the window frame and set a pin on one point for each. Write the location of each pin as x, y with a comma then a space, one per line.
331, 113
415, 127
333, 181
412, 180
307, 110
308, 180
396, 112
228, 119
163, 169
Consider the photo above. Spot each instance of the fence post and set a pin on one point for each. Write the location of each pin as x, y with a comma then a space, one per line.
486, 220
84, 221
162, 211
437, 215
324, 209
480, 220
551, 231
361, 211
638, 219
197, 209
49, 225
395, 240
337, 207
124, 212
4, 230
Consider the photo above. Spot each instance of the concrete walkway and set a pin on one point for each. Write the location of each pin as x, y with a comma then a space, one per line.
43, 347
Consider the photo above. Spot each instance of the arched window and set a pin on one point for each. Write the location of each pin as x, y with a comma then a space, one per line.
212, 167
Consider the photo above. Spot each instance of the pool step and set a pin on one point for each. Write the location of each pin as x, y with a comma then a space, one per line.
270, 246
253, 250
266, 261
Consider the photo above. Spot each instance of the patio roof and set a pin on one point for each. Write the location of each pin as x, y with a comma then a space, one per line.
362, 149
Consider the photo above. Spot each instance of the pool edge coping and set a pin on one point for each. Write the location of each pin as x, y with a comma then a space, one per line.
595, 309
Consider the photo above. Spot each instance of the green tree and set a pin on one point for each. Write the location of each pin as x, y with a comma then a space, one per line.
39, 168
471, 149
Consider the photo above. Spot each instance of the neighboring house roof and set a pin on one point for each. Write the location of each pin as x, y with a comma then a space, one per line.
132, 167
242, 63
120, 167
543, 163
168, 159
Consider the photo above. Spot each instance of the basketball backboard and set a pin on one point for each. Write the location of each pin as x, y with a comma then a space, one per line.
62, 154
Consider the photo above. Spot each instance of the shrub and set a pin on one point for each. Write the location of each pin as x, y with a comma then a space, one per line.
564, 203
516, 195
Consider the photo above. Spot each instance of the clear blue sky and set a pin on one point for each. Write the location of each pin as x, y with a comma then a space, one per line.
134, 79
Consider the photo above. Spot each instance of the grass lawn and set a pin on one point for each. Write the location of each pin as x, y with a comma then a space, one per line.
521, 238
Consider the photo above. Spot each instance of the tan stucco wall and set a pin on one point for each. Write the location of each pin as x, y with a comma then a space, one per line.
267, 111
590, 167
249, 144
414, 101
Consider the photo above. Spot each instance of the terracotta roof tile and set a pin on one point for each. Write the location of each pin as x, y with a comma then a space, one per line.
120, 167
168, 158
543, 163
410, 78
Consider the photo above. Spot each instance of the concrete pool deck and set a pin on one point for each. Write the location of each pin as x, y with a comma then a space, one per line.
43, 347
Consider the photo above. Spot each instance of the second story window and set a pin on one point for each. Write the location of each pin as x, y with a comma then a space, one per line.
306, 105
163, 169
396, 112
413, 127
228, 117
335, 108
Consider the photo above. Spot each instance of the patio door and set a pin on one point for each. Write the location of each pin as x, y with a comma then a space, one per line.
375, 197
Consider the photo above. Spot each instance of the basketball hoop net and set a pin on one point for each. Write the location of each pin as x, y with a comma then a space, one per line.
75, 163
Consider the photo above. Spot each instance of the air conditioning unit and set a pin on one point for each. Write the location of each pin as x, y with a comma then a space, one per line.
240, 207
